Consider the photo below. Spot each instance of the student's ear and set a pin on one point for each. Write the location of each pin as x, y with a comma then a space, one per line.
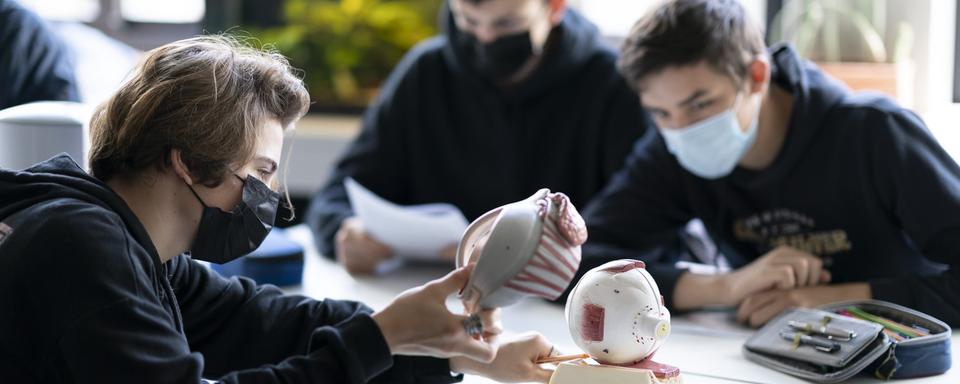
557, 9
758, 74
176, 163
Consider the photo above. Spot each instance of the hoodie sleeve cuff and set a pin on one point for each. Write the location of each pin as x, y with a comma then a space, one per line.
666, 277
358, 340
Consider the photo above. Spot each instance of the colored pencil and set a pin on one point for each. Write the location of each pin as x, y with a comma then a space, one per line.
557, 359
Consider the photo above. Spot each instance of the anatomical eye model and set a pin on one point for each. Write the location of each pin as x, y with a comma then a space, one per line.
527, 248
616, 313
617, 316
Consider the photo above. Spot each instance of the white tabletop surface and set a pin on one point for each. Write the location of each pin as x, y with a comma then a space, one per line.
704, 345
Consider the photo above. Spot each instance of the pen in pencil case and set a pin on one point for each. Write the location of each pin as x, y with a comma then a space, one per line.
832, 333
895, 336
891, 334
822, 345
886, 323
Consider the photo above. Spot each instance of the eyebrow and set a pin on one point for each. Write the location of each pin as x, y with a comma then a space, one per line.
270, 162
696, 95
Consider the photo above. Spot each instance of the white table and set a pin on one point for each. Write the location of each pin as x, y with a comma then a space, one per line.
704, 345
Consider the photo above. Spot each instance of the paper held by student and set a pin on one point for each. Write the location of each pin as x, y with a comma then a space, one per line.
415, 232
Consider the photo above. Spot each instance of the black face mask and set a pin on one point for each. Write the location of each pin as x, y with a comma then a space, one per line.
501, 58
225, 236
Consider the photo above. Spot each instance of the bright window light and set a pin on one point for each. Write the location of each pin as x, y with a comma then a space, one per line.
64, 10
614, 17
168, 11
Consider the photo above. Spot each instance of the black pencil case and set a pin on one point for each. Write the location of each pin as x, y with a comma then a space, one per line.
871, 351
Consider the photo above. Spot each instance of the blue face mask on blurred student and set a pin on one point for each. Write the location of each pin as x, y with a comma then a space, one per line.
711, 148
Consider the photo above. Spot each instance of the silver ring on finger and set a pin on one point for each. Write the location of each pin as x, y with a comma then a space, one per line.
472, 325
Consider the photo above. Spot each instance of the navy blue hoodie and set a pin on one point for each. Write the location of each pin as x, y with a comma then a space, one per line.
441, 132
85, 299
859, 182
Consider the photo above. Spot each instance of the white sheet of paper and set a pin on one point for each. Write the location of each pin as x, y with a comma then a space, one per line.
415, 232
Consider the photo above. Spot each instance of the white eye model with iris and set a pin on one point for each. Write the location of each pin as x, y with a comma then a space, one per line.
616, 313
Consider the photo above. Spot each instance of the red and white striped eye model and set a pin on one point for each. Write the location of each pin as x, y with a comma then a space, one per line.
527, 248
616, 313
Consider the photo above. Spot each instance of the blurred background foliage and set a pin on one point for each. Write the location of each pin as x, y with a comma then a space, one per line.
347, 48
843, 31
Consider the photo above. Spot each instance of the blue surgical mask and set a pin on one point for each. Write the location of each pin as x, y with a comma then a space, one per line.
711, 148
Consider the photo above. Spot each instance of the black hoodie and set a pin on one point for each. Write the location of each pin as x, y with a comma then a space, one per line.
85, 299
34, 64
859, 182
441, 132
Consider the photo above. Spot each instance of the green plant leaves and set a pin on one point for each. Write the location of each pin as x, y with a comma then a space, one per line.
348, 47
